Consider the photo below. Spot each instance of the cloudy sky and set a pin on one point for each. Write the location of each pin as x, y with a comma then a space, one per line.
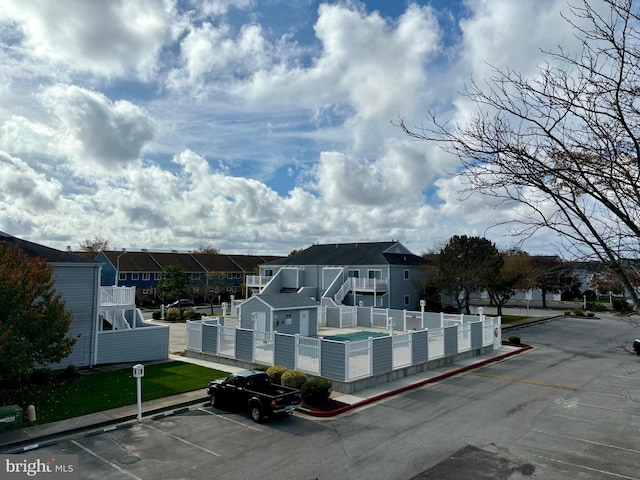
254, 126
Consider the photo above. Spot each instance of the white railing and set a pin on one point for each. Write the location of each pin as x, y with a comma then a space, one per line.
413, 320
344, 289
464, 337
348, 317
263, 347
451, 319
436, 343
358, 359
110, 296
370, 284
194, 335
257, 280
401, 350
379, 317
226, 341
117, 319
308, 354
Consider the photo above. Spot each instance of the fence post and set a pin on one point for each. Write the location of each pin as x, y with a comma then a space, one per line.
370, 356
347, 357
441, 319
296, 351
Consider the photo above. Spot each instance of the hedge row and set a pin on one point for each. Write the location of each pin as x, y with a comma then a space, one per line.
314, 392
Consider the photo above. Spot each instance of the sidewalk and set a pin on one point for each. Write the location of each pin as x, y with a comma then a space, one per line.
29, 438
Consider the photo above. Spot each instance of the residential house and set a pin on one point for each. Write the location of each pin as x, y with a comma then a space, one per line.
379, 274
214, 277
105, 321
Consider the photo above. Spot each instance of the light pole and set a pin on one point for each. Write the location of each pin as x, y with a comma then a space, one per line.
118, 266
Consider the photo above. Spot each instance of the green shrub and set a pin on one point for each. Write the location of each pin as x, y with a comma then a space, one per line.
591, 314
578, 312
316, 391
293, 379
172, 314
190, 313
156, 315
514, 339
275, 373
567, 312
621, 305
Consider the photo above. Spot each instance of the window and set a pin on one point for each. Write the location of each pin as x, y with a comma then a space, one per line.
157, 276
229, 276
196, 276
135, 276
122, 276
353, 273
406, 274
406, 300
377, 274
268, 272
146, 276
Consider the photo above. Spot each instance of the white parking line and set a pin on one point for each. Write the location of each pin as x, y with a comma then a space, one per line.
99, 457
608, 445
229, 419
180, 439
603, 472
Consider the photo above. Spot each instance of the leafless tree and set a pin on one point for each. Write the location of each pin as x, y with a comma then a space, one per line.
565, 143
91, 247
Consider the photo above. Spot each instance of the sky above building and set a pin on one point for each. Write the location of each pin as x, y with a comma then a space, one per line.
253, 126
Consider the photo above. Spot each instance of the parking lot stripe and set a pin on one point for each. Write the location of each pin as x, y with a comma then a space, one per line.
603, 472
600, 444
99, 457
180, 439
230, 420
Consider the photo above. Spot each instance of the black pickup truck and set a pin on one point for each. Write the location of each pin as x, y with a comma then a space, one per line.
252, 390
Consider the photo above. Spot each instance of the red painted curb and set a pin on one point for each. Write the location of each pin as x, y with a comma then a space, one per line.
338, 411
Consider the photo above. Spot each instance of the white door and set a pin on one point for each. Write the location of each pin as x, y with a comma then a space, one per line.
304, 323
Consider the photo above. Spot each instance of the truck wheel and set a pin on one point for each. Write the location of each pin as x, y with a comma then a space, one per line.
213, 398
256, 413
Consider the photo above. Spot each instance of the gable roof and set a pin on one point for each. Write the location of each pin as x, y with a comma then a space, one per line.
132, 261
185, 261
284, 301
368, 253
35, 250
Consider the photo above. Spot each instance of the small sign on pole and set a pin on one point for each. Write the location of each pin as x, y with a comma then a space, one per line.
138, 373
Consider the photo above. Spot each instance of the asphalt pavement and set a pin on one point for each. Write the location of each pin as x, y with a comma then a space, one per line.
32, 437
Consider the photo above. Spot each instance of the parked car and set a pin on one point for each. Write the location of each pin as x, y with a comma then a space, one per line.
183, 302
636, 346
252, 390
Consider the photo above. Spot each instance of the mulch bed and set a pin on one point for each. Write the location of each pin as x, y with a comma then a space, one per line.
328, 406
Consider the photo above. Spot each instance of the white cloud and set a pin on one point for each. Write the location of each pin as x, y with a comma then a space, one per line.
164, 124
103, 38
94, 129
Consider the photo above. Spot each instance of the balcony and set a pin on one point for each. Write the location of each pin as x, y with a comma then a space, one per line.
369, 285
117, 296
257, 280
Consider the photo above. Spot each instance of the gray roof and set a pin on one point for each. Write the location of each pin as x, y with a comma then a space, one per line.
52, 255
367, 253
283, 301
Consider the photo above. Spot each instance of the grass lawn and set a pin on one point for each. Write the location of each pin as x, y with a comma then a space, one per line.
512, 318
95, 390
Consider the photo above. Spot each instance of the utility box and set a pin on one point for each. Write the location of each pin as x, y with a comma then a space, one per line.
10, 417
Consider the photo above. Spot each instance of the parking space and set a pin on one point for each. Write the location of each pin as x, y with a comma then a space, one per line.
201, 443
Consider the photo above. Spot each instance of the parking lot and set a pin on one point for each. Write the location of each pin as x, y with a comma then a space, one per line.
566, 409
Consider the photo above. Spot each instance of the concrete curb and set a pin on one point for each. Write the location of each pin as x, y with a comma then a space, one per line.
366, 401
99, 427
